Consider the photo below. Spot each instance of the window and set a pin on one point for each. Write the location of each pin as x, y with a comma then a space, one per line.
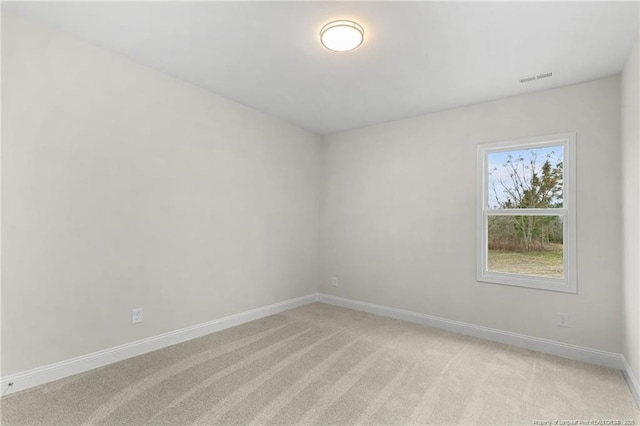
526, 213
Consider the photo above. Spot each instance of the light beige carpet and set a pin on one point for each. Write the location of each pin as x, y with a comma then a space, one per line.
320, 364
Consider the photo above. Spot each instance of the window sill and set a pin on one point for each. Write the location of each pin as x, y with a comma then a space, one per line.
563, 285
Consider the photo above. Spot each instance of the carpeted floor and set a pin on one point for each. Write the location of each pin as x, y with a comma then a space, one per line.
320, 364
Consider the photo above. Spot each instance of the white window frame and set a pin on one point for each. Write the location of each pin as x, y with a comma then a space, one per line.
568, 284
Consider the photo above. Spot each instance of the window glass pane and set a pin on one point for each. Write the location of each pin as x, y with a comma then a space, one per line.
528, 245
525, 178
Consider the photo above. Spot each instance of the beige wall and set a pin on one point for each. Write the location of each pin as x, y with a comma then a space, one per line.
399, 203
125, 188
630, 95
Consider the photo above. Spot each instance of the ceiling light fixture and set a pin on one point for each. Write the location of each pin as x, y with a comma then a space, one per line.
342, 36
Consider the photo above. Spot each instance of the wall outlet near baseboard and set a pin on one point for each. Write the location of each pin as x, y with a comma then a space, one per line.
563, 320
136, 316
334, 281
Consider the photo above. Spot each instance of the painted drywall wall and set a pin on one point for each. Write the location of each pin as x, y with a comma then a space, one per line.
630, 123
398, 214
0, 192
125, 188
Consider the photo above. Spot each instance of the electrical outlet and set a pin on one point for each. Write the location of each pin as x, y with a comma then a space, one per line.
563, 320
334, 281
136, 316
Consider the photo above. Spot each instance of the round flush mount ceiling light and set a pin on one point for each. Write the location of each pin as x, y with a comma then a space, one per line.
342, 35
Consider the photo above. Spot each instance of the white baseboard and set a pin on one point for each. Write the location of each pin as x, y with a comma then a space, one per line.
632, 381
552, 347
59, 370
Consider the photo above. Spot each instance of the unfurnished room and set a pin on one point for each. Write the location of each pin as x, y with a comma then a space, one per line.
327, 213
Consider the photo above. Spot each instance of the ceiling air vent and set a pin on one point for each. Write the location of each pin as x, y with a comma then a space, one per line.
535, 77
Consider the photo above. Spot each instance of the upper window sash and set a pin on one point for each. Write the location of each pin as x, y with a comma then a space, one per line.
566, 140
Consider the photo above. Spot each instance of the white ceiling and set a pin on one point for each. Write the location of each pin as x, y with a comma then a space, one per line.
418, 57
